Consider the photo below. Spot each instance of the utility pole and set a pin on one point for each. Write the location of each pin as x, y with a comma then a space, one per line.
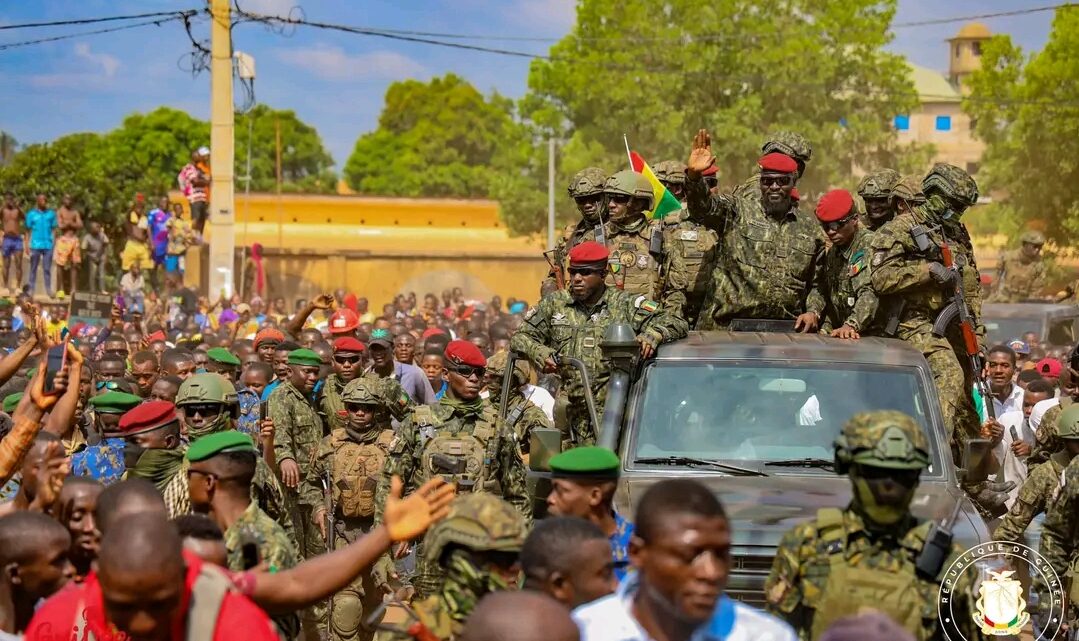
222, 222
550, 193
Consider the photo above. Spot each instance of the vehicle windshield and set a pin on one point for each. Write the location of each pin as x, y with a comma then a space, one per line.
1002, 330
750, 412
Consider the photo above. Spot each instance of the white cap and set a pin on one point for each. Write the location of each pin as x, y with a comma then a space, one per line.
204, 151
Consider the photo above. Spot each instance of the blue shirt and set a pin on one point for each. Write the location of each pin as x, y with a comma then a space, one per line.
248, 421
269, 388
104, 461
41, 223
623, 530
441, 391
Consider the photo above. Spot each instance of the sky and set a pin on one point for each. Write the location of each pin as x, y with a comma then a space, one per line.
334, 81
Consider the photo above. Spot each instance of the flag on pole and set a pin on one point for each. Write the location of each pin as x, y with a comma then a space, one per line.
665, 202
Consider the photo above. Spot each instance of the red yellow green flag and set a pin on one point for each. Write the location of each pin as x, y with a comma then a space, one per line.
665, 202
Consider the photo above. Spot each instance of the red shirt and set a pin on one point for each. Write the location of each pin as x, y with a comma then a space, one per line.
55, 620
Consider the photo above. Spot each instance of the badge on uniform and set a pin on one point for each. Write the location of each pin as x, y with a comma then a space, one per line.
857, 262
688, 234
530, 313
642, 261
649, 306
878, 258
851, 301
627, 259
427, 432
558, 318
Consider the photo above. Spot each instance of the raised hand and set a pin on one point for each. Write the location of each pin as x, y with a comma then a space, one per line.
408, 518
700, 156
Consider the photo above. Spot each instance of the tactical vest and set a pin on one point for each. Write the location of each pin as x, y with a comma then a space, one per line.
456, 453
697, 246
848, 588
357, 468
633, 268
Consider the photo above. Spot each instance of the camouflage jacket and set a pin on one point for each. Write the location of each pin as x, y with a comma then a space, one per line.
432, 612
353, 480
248, 420
104, 461
1060, 532
297, 426
899, 268
523, 416
766, 266
499, 470
1034, 496
330, 403
963, 251
634, 269
275, 548
845, 283
1046, 441
1018, 279
574, 234
696, 246
824, 569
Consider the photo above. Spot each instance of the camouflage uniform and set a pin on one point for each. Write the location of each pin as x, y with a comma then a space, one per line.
476, 522
845, 283
1046, 440
1020, 277
695, 244
275, 548
464, 442
878, 184
558, 325
1060, 532
297, 432
104, 461
353, 467
330, 403
587, 182
830, 567
522, 415
1034, 497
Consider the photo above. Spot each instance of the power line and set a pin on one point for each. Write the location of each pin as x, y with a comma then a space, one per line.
60, 23
984, 16
158, 21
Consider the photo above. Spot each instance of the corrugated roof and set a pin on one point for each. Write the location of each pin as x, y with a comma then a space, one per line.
932, 86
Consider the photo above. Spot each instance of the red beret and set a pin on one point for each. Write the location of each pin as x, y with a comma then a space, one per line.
269, 334
835, 205
587, 253
344, 320
777, 162
432, 331
1049, 367
158, 336
794, 194
347, 344
461, 352
711, 171
147, 416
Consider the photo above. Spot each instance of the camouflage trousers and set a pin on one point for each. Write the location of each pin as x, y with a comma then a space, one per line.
311, 545
579, 429
357, 600
948, 376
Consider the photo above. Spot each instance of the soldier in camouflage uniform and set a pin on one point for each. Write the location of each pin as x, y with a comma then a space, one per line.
347, 365
769, 251
1060, 532
642, 261
787, 143
876, 190
522, 415
586, 190
864, 555
350, 460
844, 280
571, 323
1042, 485
696, 244
1021, 272
460, 439
476, 548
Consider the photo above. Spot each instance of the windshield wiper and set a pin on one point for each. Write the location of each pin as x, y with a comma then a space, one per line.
822, 463
689, 460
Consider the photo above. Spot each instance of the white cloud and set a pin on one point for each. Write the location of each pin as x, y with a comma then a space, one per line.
333, 63
108, 64
551, 17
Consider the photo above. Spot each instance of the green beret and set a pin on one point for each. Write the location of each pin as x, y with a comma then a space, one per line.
223, 356
304, 357
218, 443
114, 402
589, 462
11, 401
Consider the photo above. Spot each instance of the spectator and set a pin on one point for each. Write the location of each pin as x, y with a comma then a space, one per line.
568, 558
194, 180
67, 217
202, 537
34, 554
432, 364
136, 226
75, 505
520, 616
95, 252
41, 221
158, 222
131, 286
12, 248
179, 238
412, 378
67, 258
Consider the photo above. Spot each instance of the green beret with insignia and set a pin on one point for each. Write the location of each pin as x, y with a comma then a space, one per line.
304, 357
588, 462
223, 356
220, 443
114, 402
11, 401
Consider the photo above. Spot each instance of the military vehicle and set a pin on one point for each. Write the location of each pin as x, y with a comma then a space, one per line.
1055, 324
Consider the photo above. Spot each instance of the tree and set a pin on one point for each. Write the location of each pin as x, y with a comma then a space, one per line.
435, 139
305, 163
741, 68
1026, 111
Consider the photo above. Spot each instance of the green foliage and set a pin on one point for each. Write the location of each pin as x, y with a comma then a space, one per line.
1026, 112
305, 163
435, 139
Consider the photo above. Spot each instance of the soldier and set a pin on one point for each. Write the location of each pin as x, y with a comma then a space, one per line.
844, 277
153, 451
460, 439
297, 432
350, 462
644, 264
696, 244
586, 190
1060, 532
347, 365
476, 548
221, 361
787, 143
864, 555
222, 466
571, 323
522, 415
876, 191
769, 251
1021, 272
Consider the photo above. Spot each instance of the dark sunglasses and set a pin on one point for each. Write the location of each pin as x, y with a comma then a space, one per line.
619, 198
584, 200
346, 360
838, 224
356, 407
586, 271
468, 371
782, 180
204, 410
112, 385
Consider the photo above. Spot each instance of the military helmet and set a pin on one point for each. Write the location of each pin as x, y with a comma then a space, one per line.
790, 144
1034, 238
1068, 422
671, 171
629, 183
878, 184
207, 387
587, 182
951, 181
358, 392
883, 438
496, 366
477, 522
909, 189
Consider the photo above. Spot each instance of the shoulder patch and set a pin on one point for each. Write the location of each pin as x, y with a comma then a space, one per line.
857, 262
645, 305
530, 313
878, 257
688, 234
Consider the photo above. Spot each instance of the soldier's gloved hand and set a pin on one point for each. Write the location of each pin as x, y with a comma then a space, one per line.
648, 345
993, 496
941, 274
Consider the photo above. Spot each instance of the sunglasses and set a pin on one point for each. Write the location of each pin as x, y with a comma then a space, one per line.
356, 407
346, 360
586, 271
779, 181
618, 198
468, 371
112, 385
204, 410
838, 224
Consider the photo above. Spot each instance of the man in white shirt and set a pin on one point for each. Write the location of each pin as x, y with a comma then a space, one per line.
681, 551
1000, 368
1011, 452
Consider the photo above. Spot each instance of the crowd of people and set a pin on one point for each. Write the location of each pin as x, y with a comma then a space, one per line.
197, 467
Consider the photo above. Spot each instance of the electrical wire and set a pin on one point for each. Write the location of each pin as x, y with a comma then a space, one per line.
61, 23
67, 36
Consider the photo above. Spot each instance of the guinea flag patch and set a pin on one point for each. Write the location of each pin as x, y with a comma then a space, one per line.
857, 262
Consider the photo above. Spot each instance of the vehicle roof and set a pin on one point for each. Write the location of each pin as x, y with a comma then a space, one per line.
790, 346
1026, 310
